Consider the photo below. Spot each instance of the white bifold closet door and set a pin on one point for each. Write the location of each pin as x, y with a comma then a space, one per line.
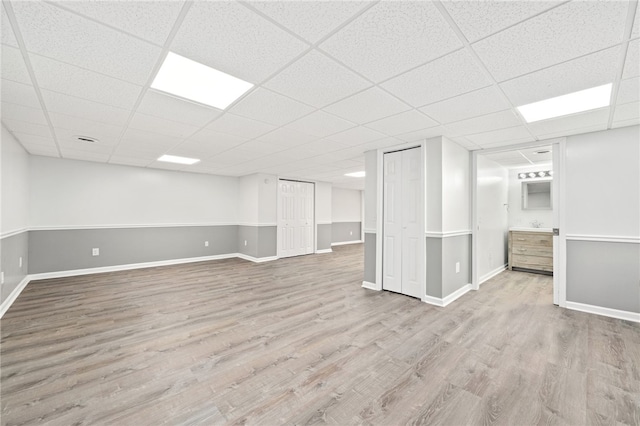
403, 243
295, 218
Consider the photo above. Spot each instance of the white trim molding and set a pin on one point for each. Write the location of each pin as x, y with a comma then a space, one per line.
491, 274
342, 243
323, 222
604, 238
370, 286
323, 251
442, 302
4, 307
256, 259
257, 224
447, 234
14, 232
607, 312
127, 225
370, 231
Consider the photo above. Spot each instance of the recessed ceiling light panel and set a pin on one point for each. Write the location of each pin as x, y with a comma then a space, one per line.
192, 80
356, 174
584, 100
178, 160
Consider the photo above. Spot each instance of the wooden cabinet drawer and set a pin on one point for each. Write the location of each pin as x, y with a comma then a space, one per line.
533, 239
533, 251
532, 262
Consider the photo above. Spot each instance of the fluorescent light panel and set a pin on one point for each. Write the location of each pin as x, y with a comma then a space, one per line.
584, 100
192, 80
178, 160
356, 174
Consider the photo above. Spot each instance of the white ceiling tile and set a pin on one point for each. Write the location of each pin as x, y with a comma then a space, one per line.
151, 21
134, 139
8, 38
472, 104
82, 108
270, 107
571, 76
357, 136
628, 111
13, 67
229, 37
75, 154
382, 143
512, 134
629, 91
636, 24
405, 122
28, 140
286, 136
625, 123
19, 94
391, 38
27, 128
216, 138
422, 134
150, 123
46, 151
309, 19
507, 142
50, 31
163, 165
239, 126
68, 79
484, 123
68, 137
260, 147
171, 108
130, 161
317, 80
443, 78
202, 149
75, 145
23, 113
367, 106
564, 33
576, 131
482, 18
465, 143
235, 156
570, 122
632, 62
322, 146
83, 127
320, 124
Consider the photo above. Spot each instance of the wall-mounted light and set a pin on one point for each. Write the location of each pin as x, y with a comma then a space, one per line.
532, 175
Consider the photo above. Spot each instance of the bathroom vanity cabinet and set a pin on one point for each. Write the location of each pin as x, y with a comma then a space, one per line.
531, 251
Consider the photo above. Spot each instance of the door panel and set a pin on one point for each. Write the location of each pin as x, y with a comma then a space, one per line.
296, 218
392, 227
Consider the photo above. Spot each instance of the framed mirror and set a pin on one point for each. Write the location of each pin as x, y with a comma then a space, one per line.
536, 195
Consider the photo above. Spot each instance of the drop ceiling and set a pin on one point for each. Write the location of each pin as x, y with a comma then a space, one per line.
332, 79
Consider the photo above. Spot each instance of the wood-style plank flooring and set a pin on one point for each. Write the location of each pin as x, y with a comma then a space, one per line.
298, 341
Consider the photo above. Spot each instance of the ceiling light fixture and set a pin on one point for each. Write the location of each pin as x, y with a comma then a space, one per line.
194, 81
584, 100
356, 174
178, 160
533, 175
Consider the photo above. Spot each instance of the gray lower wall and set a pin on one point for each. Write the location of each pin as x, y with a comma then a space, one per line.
370, 257
442, 255
434, 266
345, 231
63, 250
11, 249
604, 274
323, 234
267, 241
260, 240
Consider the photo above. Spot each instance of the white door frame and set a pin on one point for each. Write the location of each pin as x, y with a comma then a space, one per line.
279, 211
380, 207
559, 192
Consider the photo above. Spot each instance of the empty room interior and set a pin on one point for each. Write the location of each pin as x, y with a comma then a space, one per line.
342, 212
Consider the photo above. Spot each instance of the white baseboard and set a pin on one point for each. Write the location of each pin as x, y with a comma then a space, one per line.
370, 286
4, 307
607, 312
342, 243
447, 300
493, 273
324, 251
256, 259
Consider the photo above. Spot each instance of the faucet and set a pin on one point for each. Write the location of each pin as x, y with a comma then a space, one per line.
536, 224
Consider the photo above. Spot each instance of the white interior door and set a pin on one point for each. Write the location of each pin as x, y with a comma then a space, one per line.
392, 220
295, 218
403, 243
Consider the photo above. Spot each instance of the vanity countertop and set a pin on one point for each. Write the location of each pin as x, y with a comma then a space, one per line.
523, 229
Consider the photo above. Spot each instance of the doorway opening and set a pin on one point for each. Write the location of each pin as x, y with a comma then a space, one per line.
296, 218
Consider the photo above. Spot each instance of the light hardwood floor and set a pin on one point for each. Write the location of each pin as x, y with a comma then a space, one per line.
298, 341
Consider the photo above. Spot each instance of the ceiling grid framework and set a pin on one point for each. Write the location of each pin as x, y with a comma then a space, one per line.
332, 79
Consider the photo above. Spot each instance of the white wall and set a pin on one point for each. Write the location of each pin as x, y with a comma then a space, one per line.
268, 198
603, 183
248, 200
346, 205
370, 190
15, 185
456, 197
523, 218
493, 218
323, 202
68, 193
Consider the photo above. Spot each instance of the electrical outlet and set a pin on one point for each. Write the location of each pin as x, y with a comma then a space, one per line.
95, 252
206, 243
457, 267
20, 262
1, 277
245, 242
